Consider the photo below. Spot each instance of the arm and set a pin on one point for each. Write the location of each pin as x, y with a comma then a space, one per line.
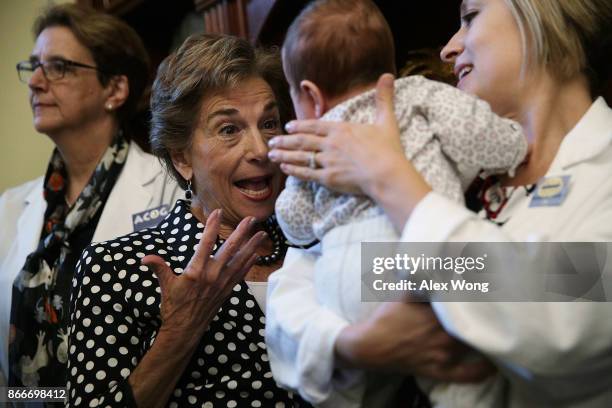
542, 328
300, 333
92, 349
306, 342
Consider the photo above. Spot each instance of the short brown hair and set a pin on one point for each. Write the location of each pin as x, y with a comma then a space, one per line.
203, 66
115, 46
338, 45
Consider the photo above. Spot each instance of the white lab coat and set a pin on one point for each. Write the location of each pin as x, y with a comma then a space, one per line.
551, 354
142, 185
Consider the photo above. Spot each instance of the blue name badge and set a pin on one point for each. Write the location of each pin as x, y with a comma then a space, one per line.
149, 218
550, 192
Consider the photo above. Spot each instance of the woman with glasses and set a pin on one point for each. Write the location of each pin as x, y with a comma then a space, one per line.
85, 75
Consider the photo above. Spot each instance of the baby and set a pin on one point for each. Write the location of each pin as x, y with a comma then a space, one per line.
333, 54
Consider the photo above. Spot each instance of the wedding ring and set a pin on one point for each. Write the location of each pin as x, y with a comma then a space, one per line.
312, 161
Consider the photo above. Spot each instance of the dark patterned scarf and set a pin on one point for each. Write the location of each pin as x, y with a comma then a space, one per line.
38, 341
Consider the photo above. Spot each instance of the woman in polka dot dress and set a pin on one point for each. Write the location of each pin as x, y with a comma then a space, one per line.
172, 315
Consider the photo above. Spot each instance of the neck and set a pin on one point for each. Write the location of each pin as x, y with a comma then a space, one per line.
227, 227
82, 150
552, 110
337, 100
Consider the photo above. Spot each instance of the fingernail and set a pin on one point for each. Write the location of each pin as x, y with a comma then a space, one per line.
273, 142
252, 221
290, 126
272, 155
388, 78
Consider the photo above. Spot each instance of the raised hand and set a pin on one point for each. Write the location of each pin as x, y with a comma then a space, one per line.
191, 300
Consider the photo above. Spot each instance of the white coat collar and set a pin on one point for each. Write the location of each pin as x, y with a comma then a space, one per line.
590, 137
132, 194
31, 219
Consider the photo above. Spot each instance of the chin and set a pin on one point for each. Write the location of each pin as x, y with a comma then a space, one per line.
44, 126
260, 212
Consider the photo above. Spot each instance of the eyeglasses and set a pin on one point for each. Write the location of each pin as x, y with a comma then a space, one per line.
52, 70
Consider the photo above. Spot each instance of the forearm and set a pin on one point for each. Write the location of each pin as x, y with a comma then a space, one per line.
300, 339
155, 377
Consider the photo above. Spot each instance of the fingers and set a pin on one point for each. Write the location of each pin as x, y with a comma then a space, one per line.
298, 158
247, 251
159, 267
242, 262
303, 173
299, 141
310, 126
234, 242
385, 111
206, 244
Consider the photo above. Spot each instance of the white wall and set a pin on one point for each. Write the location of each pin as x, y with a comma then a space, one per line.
24, 153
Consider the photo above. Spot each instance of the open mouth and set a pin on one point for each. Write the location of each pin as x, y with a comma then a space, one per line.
255, 188
464, 72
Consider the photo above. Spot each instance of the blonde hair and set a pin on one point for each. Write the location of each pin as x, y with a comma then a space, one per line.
567, 37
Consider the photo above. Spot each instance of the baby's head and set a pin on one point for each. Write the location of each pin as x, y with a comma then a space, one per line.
334, 50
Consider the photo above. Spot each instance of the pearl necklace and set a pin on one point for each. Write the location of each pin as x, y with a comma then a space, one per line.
278, 240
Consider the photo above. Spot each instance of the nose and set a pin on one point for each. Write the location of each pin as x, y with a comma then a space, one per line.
38, 81
257, 149
453, 48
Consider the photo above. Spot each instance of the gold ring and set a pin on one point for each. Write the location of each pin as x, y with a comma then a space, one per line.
312, 161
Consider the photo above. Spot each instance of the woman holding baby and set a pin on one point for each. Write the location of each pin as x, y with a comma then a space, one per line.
540, 63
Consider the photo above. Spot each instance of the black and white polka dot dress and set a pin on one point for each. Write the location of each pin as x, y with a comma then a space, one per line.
115, 316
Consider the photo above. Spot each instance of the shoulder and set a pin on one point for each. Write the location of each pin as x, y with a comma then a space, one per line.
144, 169
420, 89
21, 192
117, 264
146, 164
134, 245
13, 202
417, 83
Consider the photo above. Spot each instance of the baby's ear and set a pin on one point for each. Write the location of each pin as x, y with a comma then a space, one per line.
315, 96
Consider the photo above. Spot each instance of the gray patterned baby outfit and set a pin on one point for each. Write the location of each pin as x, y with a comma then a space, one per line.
448, 135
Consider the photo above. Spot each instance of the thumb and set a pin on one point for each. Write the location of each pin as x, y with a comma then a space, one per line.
159, 267
385, 91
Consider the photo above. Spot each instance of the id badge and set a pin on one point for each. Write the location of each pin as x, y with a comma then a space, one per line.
550, 192
149, 218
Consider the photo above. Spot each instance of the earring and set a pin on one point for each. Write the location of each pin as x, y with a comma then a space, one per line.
109, 107
188, 192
